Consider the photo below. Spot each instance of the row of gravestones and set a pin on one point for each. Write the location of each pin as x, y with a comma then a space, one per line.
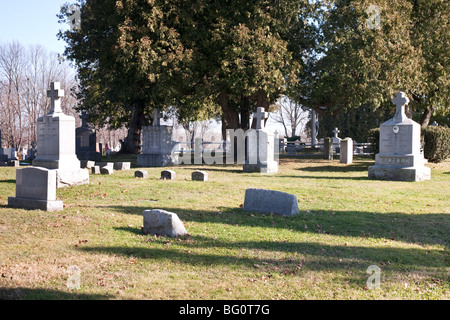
171, 175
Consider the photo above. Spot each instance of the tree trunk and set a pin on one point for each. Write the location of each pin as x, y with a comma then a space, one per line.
133, 139
426, 116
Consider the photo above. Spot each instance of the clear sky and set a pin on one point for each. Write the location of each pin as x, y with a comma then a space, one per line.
32, 22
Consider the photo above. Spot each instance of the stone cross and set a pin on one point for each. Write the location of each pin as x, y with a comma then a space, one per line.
260, 116
157, 115
84, 119
400, 101
55, 93
336, 132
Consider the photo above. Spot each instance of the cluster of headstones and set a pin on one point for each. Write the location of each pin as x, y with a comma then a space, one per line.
106, 168
171, 175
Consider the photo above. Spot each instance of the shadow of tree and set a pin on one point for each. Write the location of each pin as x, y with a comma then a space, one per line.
354, 167
409, 228
46, 294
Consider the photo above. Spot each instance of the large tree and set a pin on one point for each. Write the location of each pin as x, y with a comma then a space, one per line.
206, 58
129, 59
368, 50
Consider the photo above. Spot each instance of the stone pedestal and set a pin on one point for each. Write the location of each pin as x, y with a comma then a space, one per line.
400, 158
260, 152
328, 149
157, 147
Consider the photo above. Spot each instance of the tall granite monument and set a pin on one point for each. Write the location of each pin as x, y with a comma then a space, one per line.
157, 144
261, 147
86, 141
400, 158
56, 143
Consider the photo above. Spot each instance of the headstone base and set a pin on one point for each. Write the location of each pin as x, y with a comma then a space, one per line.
380, 172
269, 167
35, 204
154, 160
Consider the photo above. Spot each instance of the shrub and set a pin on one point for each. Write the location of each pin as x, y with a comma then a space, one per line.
436, 143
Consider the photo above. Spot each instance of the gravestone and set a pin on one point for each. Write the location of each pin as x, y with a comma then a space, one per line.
35, 190
163, 223
328, 148
400, 157
56, 143
141, 174
95, 170
260, 147
168, 175
86, 141
269, 201
107, 170
122, 166
336, 140
199, 176
346, 151
87, 164
157, 144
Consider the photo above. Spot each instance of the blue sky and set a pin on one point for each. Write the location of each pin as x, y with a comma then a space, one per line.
31, 22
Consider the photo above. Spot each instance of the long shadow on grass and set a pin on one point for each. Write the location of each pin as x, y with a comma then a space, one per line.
203, 251
8, 181
46, 294
355, 167
410, 228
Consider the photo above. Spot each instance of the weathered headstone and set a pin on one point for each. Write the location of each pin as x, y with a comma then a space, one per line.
87, 164
157, 144
35, 190
122, 166
107, 170
260, 147
105, 164
346, 151
163, 223
95, 170
141, 174
86, 141
399, 157
328, 148
168, 175
56, 143
199, 176
270, 201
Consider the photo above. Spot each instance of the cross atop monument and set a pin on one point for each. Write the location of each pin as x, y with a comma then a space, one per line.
336, 132
260, 116
55, 93
84, 118
157, 115
400, 101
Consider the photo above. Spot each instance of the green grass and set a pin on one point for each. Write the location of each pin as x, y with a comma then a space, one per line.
346, 224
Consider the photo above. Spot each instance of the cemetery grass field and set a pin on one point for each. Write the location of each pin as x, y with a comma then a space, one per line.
346, 224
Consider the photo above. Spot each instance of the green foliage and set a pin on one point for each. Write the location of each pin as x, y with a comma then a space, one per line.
374, 138
436, 143
357, 65
355, 123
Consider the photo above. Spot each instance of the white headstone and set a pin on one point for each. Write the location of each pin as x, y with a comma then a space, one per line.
346, 151
400, 157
